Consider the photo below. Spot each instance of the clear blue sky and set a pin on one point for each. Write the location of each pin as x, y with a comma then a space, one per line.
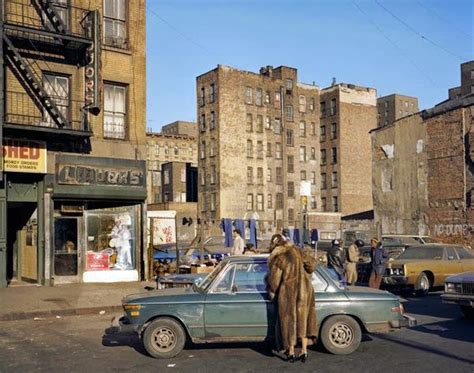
321, 38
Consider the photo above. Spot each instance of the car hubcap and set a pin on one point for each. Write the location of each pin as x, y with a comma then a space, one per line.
424, 284
164, 339
341, 335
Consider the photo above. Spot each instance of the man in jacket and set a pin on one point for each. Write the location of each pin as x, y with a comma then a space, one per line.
378, 259
239, 243
337, 260
352, 260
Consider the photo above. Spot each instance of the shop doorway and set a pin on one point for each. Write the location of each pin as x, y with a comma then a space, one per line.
67, 250
22, 242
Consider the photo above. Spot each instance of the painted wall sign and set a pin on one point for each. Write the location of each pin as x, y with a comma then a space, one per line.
99, 175
92, 70
27, 156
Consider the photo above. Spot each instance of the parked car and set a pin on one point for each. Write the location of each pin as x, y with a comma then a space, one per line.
408, 240
232, 304
459, 289
179, 280
425, 266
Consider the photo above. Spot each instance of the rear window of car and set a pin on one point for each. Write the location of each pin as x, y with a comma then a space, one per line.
422, 253
463, 254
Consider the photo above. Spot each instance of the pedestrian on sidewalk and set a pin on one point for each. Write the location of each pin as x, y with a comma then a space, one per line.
379, 261
352, 260
289, 285
239, 243
336, 262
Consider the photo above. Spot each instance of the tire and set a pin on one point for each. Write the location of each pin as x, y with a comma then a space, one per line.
468, 312
164, 338
341, 335
423, 285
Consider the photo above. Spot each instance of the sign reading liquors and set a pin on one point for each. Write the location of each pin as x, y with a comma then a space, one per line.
69, 174
27, 156
92, 67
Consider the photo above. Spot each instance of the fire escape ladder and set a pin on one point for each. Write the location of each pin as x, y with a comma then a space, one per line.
34, 83
54, 18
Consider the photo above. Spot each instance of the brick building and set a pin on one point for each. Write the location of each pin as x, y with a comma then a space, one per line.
258, 139
348, 113
393, 107
73, 125
180, 127
179, 182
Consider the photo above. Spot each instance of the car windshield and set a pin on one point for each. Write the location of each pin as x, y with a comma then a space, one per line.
429, 240
204, 284
422, 253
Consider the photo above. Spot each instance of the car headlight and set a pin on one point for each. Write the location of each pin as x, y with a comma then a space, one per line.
398, 271
452, 287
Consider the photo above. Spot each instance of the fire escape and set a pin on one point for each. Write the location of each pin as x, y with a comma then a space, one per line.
37, 35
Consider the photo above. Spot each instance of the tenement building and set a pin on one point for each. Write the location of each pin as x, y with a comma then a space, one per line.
73, 175
258, 141
393, 107
348, 113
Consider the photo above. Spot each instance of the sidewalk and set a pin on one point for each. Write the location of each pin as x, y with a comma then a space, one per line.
28, 302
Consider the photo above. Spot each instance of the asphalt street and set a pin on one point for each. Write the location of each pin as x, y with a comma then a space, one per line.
442, 342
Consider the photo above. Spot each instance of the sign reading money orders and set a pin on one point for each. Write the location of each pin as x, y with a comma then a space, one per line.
24, 156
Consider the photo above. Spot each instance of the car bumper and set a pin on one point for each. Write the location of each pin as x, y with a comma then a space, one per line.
386, 327
406, 322
395, 280
460, 299
122, 325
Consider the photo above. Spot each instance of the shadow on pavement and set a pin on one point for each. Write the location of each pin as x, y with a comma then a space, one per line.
461, 329
113, 338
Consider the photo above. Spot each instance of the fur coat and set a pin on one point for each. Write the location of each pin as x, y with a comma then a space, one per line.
289, 284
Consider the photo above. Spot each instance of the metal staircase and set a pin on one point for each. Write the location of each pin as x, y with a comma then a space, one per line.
45, 7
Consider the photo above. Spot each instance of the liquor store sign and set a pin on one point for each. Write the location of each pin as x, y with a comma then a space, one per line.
27, 156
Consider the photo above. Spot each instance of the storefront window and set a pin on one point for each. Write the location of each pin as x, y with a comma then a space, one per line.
110, 238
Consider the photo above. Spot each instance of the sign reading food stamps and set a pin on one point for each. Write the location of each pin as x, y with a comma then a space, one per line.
27, 156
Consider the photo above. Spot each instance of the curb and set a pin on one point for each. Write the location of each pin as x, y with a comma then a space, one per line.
14, 316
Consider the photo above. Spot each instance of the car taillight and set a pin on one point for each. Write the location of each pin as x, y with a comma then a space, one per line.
399, 309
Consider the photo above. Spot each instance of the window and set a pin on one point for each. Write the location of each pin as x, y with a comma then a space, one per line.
202, 123
334, 131
323, 157
176, 151
289, 113
213, 202
259, 202
249, 149
269, 175
268, 123
203, 176
249, 175
213, 174
202, 97
167, 151
61, 9
313, 129
183, 175
335, 206
302, 104
212, 150
203, 149
334, 180
212, 125
323, 204
269, 201
260, 149
289, 137
277, 126
258, 97
115, 25
323, 181
260, 176
302, 128
314, 206
303, 175
289, 84
269, 149
212, 93
259, 123
311, 104
333, 107
290, 164
279, 201
57, 88
114, 111
166, 177
267, 97
291, 189
249, 122
387, 180
278, 150
291, 216
334, 155
277, 100
323, 108
313, 154
313, 178
322, 133
249, 202
463, 254
302, 153
279, 176
248, 95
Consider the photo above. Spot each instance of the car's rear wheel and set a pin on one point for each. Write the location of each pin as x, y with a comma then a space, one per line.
164, 338
423, 285
341, 335
468, 312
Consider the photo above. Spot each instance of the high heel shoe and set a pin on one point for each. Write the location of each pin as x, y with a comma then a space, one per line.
303, 357
291, 358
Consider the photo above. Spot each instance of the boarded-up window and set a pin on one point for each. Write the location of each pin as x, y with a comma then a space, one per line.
387, 180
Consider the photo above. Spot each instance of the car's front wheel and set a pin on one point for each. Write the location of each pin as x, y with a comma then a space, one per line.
468, 312
164, 338
423, 285
341, 335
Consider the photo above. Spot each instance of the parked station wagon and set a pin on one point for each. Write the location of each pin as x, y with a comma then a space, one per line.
231, 304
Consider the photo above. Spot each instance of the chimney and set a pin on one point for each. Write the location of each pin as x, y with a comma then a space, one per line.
333, 83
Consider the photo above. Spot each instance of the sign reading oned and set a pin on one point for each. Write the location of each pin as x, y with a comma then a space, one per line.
27, 156
99, 175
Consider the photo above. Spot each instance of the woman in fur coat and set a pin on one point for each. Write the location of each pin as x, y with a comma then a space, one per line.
289, 284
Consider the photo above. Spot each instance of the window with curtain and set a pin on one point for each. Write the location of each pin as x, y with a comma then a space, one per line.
115, 23
115, 111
